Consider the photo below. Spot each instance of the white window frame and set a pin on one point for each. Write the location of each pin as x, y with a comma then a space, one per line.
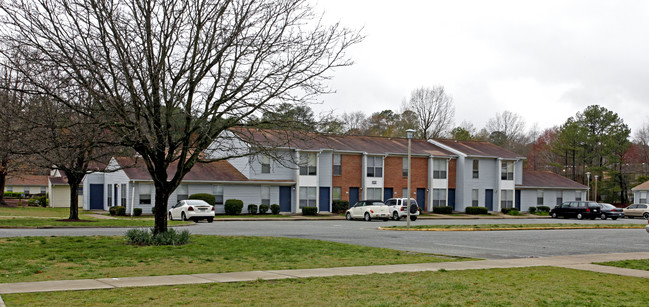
507, 199
265, 164
308, 197
182, 192
146, 191
439, 168
375, 164
439, 197
539, 197
337, 165
476, 169
374, 193
308, 164
475, 197
217, 189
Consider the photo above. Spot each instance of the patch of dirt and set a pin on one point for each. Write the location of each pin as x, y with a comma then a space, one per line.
82, 221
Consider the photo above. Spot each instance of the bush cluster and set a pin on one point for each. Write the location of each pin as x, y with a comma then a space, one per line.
233, 206
476, 210
263, 209
117, 210
506, 210
208, 198
146, 237
137, 211
274, 208
514, 211
443, 210
543, 209
340, 206
13, 194
309, 210
531, 210
252, 209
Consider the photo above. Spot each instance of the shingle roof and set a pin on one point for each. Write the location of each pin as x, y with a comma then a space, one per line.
27, 180
642, 186
213, 171
545, 179
480, 149
349, 143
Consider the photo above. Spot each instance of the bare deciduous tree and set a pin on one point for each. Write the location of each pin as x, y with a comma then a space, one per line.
171, 76
434, 109
506, 129
642, 139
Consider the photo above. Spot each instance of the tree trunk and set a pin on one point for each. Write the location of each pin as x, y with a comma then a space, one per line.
161, 199
3, 181
74, 198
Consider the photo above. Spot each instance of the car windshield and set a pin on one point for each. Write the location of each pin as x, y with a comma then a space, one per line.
196, 202
377, 203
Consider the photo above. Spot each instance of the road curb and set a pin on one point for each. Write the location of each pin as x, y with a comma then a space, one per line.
508, 229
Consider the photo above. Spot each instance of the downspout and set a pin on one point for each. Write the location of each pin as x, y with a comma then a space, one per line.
132, 197
431, 186
297, 183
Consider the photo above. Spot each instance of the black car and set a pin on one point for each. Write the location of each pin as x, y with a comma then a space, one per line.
611, 211
579, 209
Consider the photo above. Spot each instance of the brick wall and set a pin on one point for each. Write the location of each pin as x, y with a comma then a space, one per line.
393, 173
351, 173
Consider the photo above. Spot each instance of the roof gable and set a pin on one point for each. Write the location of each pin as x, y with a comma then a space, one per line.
546, 179
479, 149
642, 186
135, 169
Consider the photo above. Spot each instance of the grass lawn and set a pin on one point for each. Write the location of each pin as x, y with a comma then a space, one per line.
642, 264
49, 217
478, 227
540, 286
55, 258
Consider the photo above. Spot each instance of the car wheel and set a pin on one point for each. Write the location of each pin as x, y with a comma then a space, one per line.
580, 216
367, 217
395, 216
603, 216
348, 216
170, 217
614, 218
413, 218
210, 219
554, 215
183, 216
646, 215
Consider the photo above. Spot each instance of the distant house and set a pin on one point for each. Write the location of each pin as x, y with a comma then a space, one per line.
29, 185
641, 193
543, 188
59, 190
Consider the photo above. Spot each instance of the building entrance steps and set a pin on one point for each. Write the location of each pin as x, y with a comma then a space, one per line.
580, 262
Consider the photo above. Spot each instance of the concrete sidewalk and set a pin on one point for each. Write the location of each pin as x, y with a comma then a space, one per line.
580, 262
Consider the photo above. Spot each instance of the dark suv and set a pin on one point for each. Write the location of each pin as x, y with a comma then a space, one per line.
579, 209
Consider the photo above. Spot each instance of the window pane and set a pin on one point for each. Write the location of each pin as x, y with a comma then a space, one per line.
336, 193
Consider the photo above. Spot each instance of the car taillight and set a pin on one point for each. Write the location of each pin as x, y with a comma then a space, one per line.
401, 208
212, 208
587, 209
190, 208
372, 211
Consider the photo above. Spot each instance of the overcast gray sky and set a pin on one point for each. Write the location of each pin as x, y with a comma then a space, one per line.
544, 60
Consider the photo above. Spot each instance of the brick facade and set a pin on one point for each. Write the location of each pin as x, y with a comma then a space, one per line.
394, 178
351, 174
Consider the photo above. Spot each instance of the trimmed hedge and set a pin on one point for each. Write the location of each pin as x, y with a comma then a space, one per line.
208, 198
263, 209
117, 210
443, 210
233, 206
13, 194
252, 209
476, 210
137, 211
309, 210
274, 208
531, 210
543, 209
340, 206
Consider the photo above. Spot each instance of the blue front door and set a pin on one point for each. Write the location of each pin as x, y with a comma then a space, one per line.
97, 197
421, 198
353, 196
387, 193
451, 198
489, 199
518, 200
324, 199
285, 199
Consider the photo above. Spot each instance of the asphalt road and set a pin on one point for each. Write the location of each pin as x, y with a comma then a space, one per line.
478, 244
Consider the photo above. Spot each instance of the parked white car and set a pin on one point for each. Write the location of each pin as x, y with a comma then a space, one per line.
192, 209
398, 208
368, 210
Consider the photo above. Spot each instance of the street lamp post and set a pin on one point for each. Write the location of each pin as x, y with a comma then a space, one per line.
409, 134
596, 187
588, 181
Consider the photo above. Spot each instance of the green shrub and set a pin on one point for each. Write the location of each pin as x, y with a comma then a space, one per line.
252, 209
153, 209
531, 210
309, 210
43, 201
514, 211
137, 211
112, 210
13, 194
339, 206
476, 210
32, 202
263, 209
274, 208
208, 198
505, 210
146, 237
443, 210
120, 210
233, 206
543, 209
